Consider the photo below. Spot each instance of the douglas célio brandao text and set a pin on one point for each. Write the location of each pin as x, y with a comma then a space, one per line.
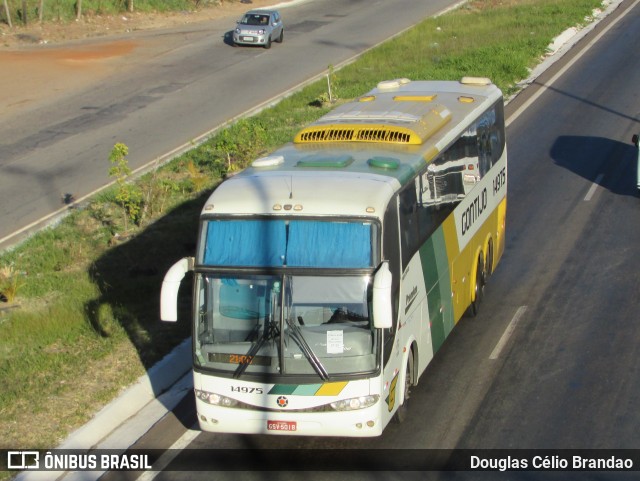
554, 462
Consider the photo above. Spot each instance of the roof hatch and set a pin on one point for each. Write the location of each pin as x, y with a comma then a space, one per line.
383, 119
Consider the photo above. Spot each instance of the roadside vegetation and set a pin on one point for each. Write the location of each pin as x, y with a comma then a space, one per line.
24, 12
79, 302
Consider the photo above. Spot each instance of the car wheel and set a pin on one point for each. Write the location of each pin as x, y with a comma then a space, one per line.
281, 37
268, 44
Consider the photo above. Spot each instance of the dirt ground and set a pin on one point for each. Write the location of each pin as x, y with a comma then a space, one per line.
42, 61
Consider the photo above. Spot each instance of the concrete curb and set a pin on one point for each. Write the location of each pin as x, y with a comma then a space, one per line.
127, 418
149, 387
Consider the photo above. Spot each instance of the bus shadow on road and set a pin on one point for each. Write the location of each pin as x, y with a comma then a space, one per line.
608, 162
129, 277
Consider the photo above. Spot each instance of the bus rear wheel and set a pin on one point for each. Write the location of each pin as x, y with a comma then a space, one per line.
489, 268
478, 289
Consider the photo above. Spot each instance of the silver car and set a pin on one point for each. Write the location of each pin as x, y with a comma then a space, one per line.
259, 27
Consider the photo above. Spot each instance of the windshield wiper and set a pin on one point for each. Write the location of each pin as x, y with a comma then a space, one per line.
271, 331
307, 351
255, 347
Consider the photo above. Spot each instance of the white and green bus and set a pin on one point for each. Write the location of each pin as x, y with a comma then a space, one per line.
328, 273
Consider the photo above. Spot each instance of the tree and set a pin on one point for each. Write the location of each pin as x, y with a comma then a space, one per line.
78, 9
24, 12
6, 10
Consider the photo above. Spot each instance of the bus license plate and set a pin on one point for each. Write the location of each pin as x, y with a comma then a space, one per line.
282, 425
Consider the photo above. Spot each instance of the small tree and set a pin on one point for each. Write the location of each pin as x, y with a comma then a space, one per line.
229, 148
128, 196
25, 15
10, 283
332, 84
331, 95
241, 142
8, 13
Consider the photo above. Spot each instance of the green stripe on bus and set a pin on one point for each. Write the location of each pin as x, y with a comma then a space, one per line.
326, 389
306, 389
435, 267
444, 285
283, 389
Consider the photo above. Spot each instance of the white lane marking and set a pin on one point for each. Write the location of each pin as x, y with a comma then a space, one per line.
170, 454
594, 187
507, 332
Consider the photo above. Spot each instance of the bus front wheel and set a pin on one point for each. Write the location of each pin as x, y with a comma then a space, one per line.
401, 413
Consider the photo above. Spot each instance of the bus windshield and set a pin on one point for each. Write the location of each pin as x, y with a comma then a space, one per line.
278, 242
285, 324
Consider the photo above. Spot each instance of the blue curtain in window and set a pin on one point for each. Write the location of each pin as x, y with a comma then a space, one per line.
329, 244
251, 243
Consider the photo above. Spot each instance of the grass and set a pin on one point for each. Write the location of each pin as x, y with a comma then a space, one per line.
87, 292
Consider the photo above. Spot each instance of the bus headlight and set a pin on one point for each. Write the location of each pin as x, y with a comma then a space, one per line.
215, 399
355, 403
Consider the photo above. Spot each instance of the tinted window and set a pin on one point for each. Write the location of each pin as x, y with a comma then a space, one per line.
433, 195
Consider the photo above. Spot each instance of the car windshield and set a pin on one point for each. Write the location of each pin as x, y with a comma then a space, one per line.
285, 324
255, 19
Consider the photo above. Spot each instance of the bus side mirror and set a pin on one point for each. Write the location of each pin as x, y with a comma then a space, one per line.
382, 312
635, 138
170, 286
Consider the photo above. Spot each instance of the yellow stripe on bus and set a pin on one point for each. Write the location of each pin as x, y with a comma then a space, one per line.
331, 388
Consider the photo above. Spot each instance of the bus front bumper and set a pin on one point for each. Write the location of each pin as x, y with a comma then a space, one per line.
361, 423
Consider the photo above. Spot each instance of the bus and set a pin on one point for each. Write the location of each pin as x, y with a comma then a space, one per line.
328, 273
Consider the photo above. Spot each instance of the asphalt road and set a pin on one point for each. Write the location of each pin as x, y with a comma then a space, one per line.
172, 94
567, 290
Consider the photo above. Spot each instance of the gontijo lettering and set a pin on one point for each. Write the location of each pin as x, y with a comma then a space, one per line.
474, 211
480, 203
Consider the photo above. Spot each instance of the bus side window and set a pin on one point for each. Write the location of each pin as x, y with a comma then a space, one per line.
391, 253
408, 225
430, 214
491, 138
498, 136
485, 157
